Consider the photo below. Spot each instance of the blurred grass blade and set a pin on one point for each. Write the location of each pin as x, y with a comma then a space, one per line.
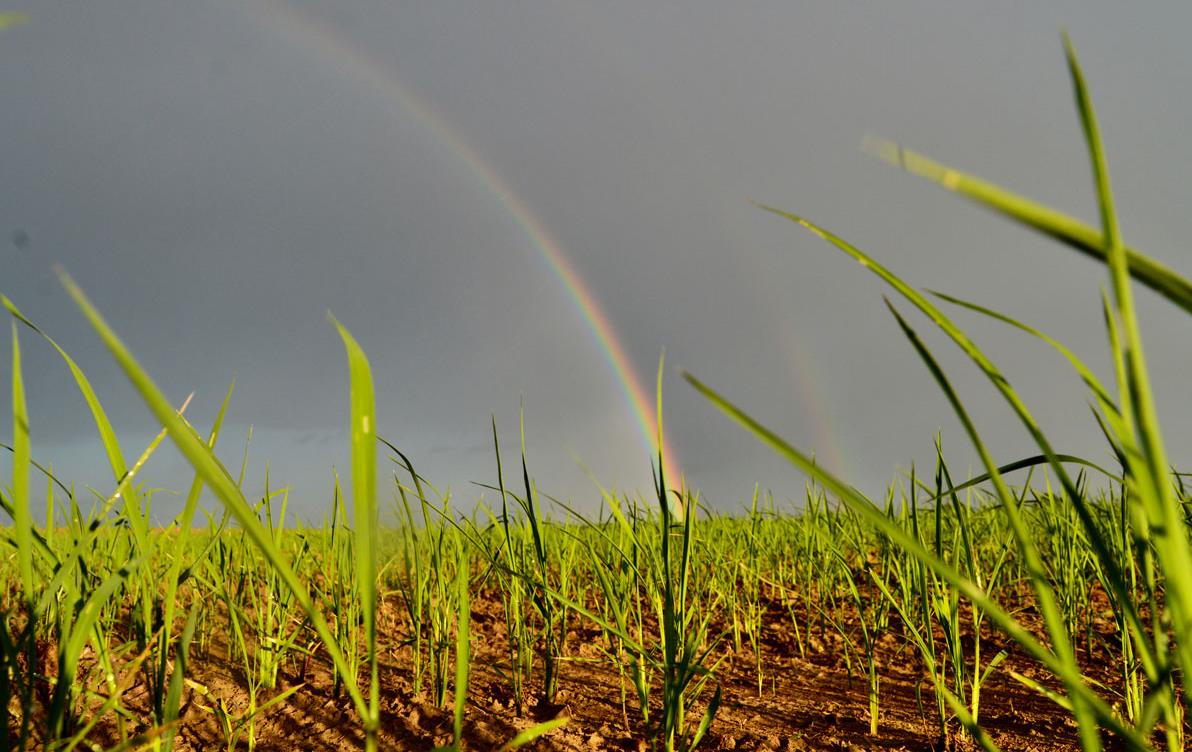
9, 20
532, 733
174, 578
1068, 230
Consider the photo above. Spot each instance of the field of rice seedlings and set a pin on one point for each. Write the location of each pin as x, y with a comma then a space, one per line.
1045, 604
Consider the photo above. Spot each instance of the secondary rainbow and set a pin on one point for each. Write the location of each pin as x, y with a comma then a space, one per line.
310, 33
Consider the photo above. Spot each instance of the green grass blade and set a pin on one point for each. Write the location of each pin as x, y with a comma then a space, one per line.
45, 471
107, 434
9, 20
1108, 561
528, 735
174, 693
1068, 230
1090, 379
705, 721
216, 477
1010, 467
1170, 535
463, 647
1045, 595
278, 699
173, 575
39, 540
877, 518
22, 456
81, 632
677, 507
364, 503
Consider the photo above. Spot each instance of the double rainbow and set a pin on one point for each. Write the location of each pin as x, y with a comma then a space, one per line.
379, 79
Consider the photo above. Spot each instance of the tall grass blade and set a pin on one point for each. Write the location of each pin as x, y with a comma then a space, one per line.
1068, 230
877, 518
103, 425
364, 502
22, 517
1089, 734
463, 647
216, 476
1114, 577
1151, 472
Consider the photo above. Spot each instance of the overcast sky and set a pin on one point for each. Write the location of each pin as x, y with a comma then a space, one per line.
219, 175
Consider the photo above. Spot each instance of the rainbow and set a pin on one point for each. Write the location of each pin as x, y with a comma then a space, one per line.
828, 450
312, 34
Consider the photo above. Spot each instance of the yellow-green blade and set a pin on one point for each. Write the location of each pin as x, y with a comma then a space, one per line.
1067, 229
1170, 534
215, 475
364, 498
107, 434
22, 456
912, 546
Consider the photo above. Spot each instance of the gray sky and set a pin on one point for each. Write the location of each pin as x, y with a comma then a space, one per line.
219, 175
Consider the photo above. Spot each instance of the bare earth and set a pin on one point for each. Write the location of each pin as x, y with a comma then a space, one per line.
805, 704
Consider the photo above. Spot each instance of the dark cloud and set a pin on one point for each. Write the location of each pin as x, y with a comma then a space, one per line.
217, 185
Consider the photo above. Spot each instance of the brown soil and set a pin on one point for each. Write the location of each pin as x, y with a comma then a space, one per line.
806, 703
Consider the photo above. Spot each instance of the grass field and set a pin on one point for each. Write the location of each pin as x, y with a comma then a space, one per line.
1047, 613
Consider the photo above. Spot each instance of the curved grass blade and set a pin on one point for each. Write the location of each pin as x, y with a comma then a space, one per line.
1114, 576
1045, 595
876, 517
705, 721
1170, 535
532, 733
174, 579
1066, 229
45, 471
216, 477
39, 540
1089, 378
81, 633
1010, 467
107, 435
